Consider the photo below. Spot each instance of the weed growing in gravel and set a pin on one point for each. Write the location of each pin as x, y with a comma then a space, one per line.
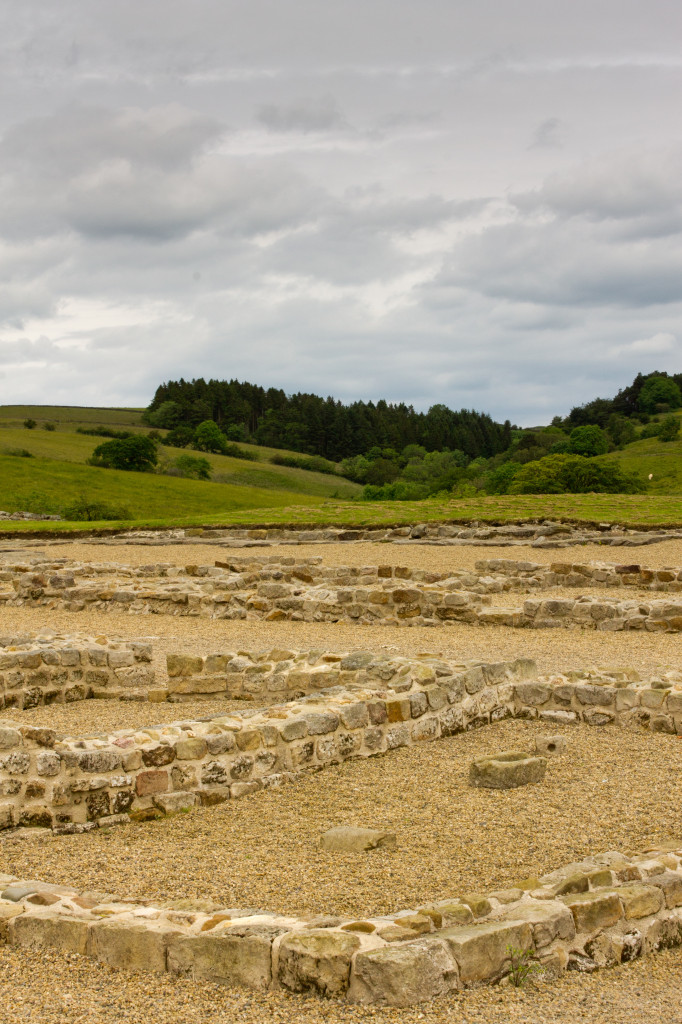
521, 963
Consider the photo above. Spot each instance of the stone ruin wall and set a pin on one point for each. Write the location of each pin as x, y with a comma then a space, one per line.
370, 705
605, 910
35, 671
304, 590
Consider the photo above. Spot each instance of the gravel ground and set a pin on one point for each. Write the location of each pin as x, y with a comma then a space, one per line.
452, 839
47, 988
420, 556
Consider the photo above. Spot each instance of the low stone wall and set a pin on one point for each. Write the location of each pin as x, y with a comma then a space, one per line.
374, 704
36, 670
545, 534
581, 574
605, 910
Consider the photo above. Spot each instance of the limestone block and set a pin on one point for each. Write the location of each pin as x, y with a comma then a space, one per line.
183, 665
481, 949
401, 975
317, 960
9, 737
196, 684
594, 910
548, 746
640, 900
507, 770
671, 886
50, 928
348, 839
129, 945
190, 749
174, 803
549, 920
223, 959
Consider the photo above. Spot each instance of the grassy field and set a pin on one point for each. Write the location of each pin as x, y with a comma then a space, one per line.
65, 445
662, 459
256, 493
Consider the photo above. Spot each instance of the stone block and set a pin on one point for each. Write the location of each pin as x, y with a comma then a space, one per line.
507, 770
481, 950
149, 783
348, 839
130, 946
640, 900
317, 960
401, 975
50, 929
549, 746
223, 959
594, 910
190, 749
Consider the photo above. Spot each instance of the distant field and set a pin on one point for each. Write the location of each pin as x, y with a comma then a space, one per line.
30, 482
69, 414
258, 493
64, 444
244, 506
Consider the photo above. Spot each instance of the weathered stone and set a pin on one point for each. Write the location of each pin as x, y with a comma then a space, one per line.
317, 960
594, 910
481, 951
401, 975
640, 900
507, 770
130, 946
223, 959
52, 929
548, 746
348, 839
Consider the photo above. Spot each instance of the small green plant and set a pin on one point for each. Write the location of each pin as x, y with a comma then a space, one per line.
522, 962
49, 426
30, 424
85, 509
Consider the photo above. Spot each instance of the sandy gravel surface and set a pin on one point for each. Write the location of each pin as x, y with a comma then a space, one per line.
48, 988
421, 556
452, 838
554, 649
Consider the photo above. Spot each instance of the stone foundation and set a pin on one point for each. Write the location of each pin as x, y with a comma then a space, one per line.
37, 671
604, 910
373, 704
307, 591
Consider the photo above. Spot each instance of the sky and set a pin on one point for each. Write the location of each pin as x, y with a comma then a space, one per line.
468, 202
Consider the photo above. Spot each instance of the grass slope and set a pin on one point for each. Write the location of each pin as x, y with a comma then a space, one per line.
64, 444
149, 497
662, 459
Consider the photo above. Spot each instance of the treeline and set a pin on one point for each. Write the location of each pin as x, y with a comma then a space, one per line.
650, 393
325, 427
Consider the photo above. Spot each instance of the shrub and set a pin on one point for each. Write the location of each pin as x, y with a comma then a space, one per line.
134, 453
179, 437
19, 453
313, 463
659, 391
208, 437
669, 429
193, 467
87, 510
105, 432
235, 452
588, 441
30, 424
573, 474
48, 426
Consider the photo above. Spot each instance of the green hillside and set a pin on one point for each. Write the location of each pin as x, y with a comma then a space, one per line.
661, 459
64, 445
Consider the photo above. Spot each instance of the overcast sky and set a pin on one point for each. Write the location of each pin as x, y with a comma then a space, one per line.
473, 202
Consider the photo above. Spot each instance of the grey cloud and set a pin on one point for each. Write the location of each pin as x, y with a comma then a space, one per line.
548, 134
321, 114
